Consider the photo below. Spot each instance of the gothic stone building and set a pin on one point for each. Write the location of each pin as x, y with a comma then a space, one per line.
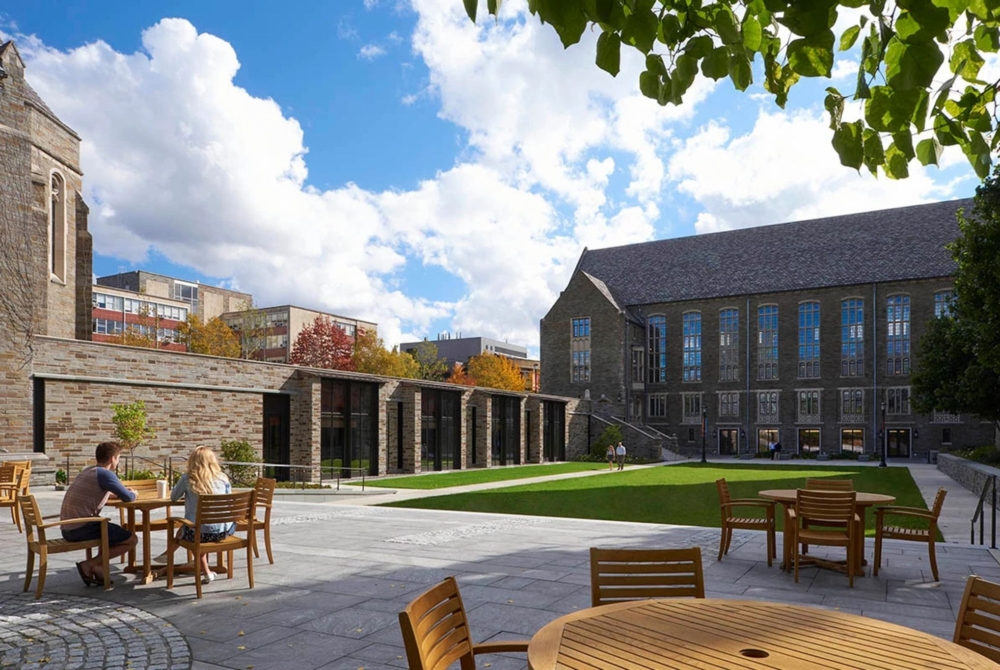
58, 388
801, 333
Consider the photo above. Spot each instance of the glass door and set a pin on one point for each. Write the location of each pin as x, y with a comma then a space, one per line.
899, 443
728, 439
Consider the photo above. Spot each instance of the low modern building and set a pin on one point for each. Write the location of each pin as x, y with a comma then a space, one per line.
276, 328
203, 300
117, 310
460, 349
802, 333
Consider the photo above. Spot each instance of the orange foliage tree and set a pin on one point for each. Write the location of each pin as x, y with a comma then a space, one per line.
323, 344
495, 371
460, 376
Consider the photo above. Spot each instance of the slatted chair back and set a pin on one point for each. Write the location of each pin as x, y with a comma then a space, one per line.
224, 508
617, 575
265, 492
144, 488
813, 484
978, 624
724, 497
11, 490
435, 629
938, 504
24, 466
32, 518
825, 506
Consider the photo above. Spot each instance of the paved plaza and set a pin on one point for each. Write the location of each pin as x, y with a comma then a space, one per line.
344, 570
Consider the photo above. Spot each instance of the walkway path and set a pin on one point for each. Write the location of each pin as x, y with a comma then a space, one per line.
344, 571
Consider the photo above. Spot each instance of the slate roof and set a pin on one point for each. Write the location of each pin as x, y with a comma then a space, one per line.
883, 246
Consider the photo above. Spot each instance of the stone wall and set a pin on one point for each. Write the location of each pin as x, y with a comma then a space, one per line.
969, 474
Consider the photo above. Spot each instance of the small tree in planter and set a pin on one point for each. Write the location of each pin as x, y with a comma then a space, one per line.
240, 451
131, 428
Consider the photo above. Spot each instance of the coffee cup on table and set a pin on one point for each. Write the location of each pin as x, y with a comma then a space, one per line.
161, 488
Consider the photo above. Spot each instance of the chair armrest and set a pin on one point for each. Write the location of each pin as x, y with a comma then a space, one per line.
758, 501
500, 647
904, 511
765, 504
83, 519
180, 519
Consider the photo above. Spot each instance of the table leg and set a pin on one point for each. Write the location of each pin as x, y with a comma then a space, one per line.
147, 574
131, 526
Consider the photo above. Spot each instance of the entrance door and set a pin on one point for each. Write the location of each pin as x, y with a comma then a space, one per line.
899, 443
728, 439
766, 436
276, 434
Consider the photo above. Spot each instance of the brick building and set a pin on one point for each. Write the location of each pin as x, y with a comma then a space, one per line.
801, 333
117, 311
57, 387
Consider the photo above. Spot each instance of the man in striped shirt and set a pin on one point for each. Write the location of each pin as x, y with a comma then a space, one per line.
86, 497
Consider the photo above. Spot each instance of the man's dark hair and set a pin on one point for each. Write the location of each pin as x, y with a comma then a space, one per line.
106, 451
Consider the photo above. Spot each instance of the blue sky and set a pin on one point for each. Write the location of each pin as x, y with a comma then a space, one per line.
389, 160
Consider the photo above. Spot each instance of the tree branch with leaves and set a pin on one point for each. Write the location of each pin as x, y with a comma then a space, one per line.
918, 63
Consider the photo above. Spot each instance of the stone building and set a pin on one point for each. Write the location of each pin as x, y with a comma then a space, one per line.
57, 387
801, 333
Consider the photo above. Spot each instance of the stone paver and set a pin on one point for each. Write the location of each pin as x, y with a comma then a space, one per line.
344, 571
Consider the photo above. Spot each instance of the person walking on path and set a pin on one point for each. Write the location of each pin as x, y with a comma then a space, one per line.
85, 497
620, 453
611, 456
777, 451
770, 450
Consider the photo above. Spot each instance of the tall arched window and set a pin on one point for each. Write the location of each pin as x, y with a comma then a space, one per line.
57, 228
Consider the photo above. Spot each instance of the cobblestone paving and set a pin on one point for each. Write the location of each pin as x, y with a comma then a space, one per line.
68, 632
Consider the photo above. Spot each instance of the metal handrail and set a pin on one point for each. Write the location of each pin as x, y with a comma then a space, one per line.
990, 485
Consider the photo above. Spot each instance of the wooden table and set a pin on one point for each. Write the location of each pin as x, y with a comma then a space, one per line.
786, 497
146, 506
730, 634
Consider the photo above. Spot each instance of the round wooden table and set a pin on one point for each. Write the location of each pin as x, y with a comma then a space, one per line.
698, 633
786, 497
146, 506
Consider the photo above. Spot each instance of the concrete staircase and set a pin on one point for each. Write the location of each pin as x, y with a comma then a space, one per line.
645, 441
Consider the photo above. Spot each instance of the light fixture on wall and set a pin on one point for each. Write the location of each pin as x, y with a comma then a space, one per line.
916, 433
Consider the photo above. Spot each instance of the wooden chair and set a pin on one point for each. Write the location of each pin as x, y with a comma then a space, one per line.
25, 466
730, 520
436, 631
43, 546
215, 508
814, 484
11, 487
617, 575
928, 535
978, 623
265, 496
833, 520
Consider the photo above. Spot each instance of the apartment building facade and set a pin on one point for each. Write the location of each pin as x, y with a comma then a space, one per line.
802, 333
276, 328
117, 311
203, 300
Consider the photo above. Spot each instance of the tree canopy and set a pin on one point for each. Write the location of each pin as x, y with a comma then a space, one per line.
323, 344
214, 338
431, 366
958, 359
918, 63
371, 356
495, 371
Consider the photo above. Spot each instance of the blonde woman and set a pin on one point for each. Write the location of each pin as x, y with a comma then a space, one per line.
204, 476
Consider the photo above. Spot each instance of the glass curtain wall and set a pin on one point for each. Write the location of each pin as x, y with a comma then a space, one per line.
506, 436
440, 430
554, 431
349, 433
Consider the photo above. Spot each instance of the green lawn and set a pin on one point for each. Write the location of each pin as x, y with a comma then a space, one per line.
677, 494
479, 476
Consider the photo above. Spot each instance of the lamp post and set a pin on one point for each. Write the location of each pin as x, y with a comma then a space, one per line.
885, 439
704, 429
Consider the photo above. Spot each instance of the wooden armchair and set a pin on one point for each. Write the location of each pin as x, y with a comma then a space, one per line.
928, 535
436, 631
824, 518
814, 484
617, 575
730, 508
24, 466
212, 509
978, 623
43, 546
265, 497
11, 489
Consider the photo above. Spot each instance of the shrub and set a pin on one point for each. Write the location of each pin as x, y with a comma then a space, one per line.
611, 435
240, 451
987, 454
61, 476
142, 474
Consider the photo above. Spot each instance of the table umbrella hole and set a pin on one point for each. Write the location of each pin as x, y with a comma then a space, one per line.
754, 653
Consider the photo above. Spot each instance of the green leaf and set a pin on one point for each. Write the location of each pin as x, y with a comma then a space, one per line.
904, 142
910, 66
895, 163
847, 143
740, 72
874, 154
654, 63
640, 30
919, 116
978, 153
908, 29
890, 111
669, 30
849, 37
751, 32
609, 55
813, 56
809, 17
987, 38
966, 61
470, 8
834, 104
649, 84
716, 64
604, 10
569, 19
493, 6
685, 70
929, 151
699, 47
725, 25
934, 18
955, 8
948, 131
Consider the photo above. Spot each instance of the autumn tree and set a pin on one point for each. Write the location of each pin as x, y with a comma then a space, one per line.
214, 338
496, 371
431, 366
141, 332
919, 85
460, 376
323, 344
371, 356
252, 330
